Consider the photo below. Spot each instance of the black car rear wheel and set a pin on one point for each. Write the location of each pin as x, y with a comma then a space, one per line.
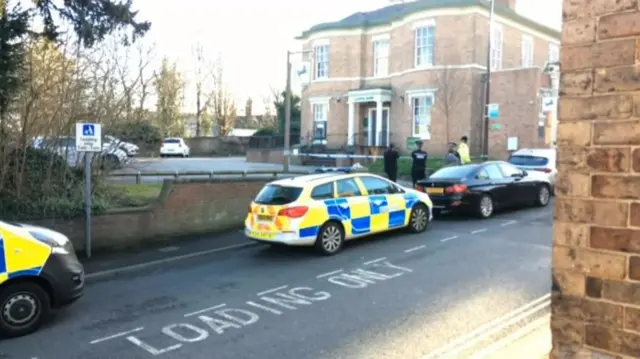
485, 207
544, 195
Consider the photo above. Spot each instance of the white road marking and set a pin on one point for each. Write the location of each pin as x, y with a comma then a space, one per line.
375, 260
413, 249
479, 230
329, 273
448, 239
168, 249
271, 290
117, 335
133, 267
508, 223
512, 338
476, 336
204, 310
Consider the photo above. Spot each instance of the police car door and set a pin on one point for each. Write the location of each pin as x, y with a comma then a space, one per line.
353, 207
387, 207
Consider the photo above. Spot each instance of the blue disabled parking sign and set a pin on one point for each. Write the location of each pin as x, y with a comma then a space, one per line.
88, 129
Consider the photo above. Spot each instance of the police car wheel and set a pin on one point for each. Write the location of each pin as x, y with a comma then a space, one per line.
419, 220
23, 308
330, 239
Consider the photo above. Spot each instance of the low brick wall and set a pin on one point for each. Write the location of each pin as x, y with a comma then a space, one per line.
184, 208
265, 155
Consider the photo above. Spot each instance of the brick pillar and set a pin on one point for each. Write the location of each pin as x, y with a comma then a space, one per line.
596, 234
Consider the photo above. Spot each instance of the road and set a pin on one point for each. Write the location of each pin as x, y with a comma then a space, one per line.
193, 164
396, 296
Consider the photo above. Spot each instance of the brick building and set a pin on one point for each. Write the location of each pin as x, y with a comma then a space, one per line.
596, 253
416, 70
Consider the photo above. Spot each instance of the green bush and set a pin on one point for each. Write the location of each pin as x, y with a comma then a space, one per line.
404, 165
137, 132
40, 184
267, 131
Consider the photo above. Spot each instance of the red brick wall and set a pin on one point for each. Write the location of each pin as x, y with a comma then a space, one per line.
516, 93
188, 207
596, 237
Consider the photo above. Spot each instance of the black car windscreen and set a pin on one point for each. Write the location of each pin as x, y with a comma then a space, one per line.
454, 172
278, 195
520, 160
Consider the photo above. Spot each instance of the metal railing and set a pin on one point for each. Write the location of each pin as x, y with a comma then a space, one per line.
139, 175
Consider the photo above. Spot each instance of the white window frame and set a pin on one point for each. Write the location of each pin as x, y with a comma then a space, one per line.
321, 57
422, 114
381, 58
554, 53
527, 51
425, 53
320, 111
497, 42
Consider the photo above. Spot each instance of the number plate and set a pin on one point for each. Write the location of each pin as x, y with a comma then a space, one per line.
435, 190
262, 235
264, 218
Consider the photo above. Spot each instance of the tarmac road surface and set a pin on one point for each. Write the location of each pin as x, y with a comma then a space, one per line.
396, 296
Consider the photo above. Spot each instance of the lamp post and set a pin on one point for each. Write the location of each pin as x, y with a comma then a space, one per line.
487, 92
287, 112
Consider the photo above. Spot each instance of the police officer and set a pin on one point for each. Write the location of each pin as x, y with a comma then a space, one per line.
391, 162
419, 164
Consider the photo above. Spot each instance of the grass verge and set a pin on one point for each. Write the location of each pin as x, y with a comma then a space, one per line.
135, 195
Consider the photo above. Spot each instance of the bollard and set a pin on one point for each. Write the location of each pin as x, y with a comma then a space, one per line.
138, 177
211, 175
244, 173
177, 175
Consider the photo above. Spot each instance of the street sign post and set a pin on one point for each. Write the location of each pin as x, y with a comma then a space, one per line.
88, 140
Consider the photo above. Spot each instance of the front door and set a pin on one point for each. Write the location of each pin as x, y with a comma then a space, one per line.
378, 139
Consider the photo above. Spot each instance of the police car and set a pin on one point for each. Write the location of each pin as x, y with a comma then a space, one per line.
325, 210
39, 271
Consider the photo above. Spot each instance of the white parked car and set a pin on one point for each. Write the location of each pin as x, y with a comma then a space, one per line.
174, 146
66, 148
129, 148
542, 160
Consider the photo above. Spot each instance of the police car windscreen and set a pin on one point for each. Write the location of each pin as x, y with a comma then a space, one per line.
520, 160
454, 172
278, 195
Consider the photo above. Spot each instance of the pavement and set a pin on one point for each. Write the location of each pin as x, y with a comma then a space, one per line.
532, 341
445, 293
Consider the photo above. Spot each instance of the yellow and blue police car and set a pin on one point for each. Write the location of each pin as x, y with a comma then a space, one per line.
39, 271
324, 210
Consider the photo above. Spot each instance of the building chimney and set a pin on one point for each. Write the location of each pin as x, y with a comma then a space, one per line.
511, 4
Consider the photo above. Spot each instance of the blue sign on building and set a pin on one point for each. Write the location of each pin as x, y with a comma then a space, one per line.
493, 110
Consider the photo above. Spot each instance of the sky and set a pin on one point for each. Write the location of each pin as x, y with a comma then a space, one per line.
253, 36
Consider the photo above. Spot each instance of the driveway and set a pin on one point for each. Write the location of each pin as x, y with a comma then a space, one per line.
446, 292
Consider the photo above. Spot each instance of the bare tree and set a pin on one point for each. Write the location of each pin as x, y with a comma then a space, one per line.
451, 86
268, 119
204, 76
169, 86
224, 107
